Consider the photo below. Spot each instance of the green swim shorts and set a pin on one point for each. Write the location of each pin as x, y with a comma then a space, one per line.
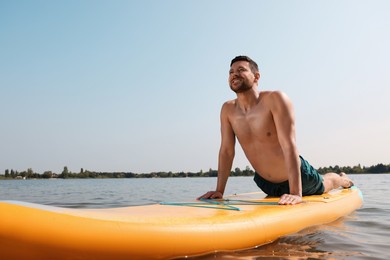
311, 182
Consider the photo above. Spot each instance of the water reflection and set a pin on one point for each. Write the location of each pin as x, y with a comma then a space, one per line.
320, 242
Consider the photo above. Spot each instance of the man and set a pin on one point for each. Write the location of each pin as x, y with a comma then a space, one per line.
263, 123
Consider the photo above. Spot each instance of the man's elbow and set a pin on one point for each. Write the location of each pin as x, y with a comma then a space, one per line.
289, 146
226, 154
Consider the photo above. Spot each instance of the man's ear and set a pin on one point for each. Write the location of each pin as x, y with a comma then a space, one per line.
257, 76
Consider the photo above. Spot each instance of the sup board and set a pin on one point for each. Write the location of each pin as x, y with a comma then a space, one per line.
162, 231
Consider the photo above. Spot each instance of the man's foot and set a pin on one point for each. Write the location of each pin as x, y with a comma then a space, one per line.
347, 182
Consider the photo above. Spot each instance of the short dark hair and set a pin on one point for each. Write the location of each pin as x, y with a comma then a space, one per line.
252, 63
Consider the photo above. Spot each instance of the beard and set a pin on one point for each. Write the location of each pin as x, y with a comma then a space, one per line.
243, 87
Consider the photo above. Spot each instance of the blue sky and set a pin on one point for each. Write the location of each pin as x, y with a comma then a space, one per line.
138, 85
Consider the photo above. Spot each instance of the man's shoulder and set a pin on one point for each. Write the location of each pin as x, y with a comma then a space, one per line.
275, 96
229, 103
228, 107
278, 101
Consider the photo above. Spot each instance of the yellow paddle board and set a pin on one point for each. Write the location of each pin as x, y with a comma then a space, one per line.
162, 231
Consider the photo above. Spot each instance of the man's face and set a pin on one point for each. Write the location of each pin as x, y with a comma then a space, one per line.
241, 78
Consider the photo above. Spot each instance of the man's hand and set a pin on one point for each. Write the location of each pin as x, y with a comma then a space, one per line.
289, 199
211, 195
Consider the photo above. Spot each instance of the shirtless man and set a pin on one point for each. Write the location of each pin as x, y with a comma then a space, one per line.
263, 123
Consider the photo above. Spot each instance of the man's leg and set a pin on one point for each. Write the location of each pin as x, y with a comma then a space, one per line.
333, 180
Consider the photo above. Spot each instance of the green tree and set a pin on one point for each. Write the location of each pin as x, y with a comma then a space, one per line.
379, 168
29, 173
23, 174
237, 172
357, 169
212, 173
65, 173
47, 175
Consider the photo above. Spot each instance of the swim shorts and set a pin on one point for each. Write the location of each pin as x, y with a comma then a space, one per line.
311, 182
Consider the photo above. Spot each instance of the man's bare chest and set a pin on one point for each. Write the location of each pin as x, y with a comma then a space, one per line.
256, 125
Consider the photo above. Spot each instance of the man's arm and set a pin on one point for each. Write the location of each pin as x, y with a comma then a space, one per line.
283, 114
226, 155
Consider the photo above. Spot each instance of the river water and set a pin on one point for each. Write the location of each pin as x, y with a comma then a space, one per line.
365, 234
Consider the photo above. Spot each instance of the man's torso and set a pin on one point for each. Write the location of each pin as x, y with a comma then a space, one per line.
256, 132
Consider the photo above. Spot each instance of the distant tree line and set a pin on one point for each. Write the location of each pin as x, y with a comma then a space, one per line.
66, 174
379, 168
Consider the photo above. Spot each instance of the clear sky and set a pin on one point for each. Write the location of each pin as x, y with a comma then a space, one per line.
137, 86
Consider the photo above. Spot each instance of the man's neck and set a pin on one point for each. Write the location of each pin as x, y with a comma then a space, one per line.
248, 99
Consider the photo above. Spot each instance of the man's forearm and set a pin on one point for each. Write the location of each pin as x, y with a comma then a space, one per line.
294, 172
224, 167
